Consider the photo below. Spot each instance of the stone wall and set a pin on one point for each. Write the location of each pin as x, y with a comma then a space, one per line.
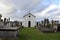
8, 34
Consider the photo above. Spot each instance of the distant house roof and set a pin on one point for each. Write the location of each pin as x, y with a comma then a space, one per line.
28, 14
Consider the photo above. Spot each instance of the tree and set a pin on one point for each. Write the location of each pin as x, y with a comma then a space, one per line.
0, 16
5, 21
46, 23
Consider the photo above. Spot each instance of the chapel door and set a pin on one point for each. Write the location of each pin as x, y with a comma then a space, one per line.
29, 23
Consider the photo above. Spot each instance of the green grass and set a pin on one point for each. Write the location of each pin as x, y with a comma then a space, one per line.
34, 34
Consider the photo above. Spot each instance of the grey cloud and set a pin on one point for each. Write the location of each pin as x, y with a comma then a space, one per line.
22, 7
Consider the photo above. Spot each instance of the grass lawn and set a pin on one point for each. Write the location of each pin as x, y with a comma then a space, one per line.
34, 34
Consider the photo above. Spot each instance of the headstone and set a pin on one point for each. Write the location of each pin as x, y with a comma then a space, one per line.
55, 28
9, 32
1, 23
9, 24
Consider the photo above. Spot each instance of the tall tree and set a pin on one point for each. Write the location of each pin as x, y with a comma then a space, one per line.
0, 16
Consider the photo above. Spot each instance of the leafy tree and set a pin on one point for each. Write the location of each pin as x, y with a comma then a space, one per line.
0, 15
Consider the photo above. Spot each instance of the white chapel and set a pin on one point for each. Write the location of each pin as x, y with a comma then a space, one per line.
29, 20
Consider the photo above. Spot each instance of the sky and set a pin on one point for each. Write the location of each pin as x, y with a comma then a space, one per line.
16, 9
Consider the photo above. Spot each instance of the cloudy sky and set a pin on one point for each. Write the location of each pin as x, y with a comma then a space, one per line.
16, 9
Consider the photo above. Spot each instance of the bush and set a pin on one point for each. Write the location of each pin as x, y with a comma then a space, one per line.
22, 26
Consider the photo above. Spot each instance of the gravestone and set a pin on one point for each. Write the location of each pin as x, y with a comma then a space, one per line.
1, 24
9, 32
